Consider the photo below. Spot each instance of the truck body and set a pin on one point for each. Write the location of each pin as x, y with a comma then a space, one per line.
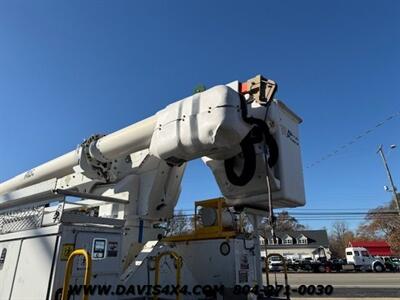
363, 260
107, 200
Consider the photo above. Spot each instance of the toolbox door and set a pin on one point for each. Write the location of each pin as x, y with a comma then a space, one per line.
34, 269
9, 252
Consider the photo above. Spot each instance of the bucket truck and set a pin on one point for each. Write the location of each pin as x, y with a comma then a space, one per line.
104, 202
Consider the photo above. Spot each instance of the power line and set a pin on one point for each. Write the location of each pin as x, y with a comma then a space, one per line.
353, 140
316, 210
388, 212
323, 215
290, 210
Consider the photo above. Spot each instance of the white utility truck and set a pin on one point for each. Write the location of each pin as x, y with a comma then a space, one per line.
105, 202
363, 260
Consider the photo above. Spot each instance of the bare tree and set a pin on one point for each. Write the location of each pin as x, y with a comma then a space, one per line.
179, 224
339, 238
285, 222
382, 222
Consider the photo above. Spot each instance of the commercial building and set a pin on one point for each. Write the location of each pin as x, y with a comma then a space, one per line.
296, 244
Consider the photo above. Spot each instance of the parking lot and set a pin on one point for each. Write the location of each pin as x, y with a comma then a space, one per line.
346, 285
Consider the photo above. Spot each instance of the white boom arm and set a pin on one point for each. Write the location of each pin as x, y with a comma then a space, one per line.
122, 142
242, 134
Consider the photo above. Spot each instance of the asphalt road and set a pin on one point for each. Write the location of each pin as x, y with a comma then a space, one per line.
345, 285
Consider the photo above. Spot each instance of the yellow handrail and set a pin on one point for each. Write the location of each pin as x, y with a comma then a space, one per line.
177, 260
68, 272
284, 270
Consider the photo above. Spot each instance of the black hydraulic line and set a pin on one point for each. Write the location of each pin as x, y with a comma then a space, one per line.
247, 145
249, 166
269, 139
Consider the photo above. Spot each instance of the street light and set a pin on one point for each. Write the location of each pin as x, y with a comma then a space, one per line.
393, 187
386, 188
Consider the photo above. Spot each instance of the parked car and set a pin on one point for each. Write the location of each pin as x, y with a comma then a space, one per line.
391, 264
275, 264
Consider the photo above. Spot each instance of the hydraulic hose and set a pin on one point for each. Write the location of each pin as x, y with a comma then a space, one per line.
260, 130
249, 167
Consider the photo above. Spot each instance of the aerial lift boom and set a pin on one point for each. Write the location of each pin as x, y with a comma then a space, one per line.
247, 138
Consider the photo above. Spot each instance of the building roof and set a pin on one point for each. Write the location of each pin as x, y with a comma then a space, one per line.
377, 247
315, 238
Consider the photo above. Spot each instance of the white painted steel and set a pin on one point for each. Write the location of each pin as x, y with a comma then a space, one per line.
37, 193
209, 125
213, 126
205, 124
127, 140
9, 266
286, 177
57, 167
203, 264
34, 267
130, 139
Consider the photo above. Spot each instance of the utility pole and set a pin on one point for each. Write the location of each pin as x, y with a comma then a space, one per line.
394, 189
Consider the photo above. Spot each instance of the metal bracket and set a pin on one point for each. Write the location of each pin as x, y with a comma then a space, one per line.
262, 90
92, 162
90, 196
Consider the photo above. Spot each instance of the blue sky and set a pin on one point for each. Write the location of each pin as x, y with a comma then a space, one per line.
69, 69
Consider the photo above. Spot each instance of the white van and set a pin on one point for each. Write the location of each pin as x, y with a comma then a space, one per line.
362, 260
